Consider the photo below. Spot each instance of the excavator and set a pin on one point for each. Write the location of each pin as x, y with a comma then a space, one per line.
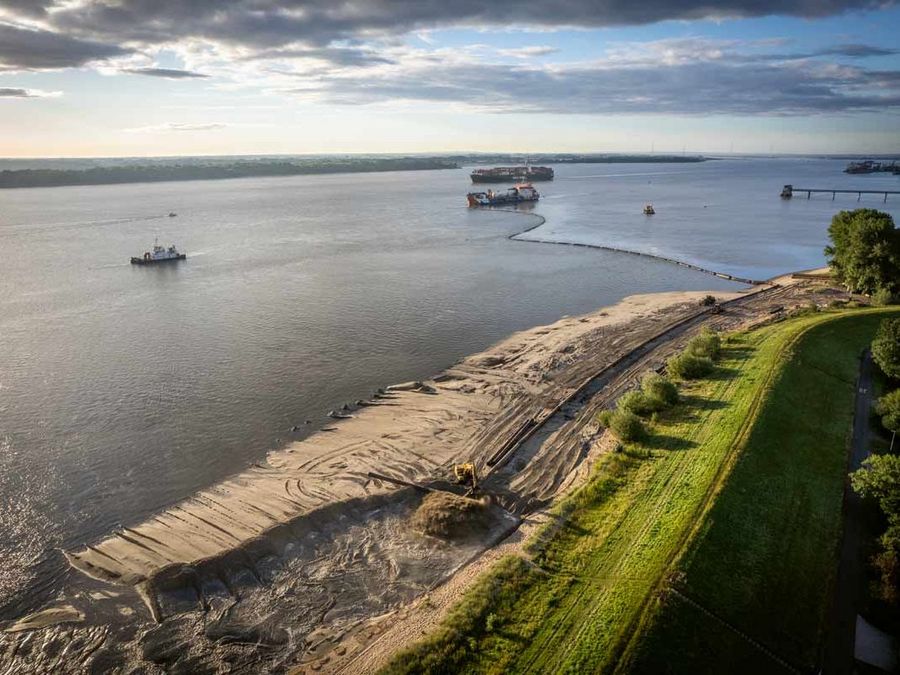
466, 475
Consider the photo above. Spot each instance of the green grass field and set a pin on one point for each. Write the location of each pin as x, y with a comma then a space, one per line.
588, 600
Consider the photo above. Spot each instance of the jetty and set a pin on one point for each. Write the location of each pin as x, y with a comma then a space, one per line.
788, 192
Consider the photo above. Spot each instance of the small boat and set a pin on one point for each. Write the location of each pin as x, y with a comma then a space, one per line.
524, 192
159, 254
172, 214
649, 210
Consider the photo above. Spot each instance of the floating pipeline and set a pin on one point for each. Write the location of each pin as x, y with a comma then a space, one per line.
722, 275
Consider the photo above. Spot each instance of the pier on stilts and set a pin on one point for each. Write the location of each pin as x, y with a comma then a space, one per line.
788, 192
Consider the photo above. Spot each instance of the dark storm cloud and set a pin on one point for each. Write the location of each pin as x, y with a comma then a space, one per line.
40, 49
167, 73
706, 88
29, 8
275, 23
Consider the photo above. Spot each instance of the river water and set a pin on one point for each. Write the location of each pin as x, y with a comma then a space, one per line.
124, 389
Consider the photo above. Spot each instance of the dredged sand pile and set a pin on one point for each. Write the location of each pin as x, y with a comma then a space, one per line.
414, 432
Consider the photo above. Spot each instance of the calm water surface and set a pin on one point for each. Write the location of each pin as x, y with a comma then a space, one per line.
124, 389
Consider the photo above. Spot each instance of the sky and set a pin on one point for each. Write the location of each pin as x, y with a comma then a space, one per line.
100, 78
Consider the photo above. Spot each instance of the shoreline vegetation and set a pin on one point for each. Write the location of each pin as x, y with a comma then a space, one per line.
122, 171
661, 562
157, 173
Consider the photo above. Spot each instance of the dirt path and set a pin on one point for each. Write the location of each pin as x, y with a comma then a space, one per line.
838, 658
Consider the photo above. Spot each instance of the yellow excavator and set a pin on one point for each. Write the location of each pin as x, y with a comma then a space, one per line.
466, 475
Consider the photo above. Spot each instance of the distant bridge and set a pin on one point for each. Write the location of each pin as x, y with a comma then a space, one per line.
788, 191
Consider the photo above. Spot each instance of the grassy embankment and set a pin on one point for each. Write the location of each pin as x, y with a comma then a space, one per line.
752, 540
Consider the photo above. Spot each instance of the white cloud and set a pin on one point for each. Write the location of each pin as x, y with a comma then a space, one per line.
177, 127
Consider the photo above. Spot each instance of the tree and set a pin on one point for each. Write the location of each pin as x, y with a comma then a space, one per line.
886, 347
888, 407
879, 478
865, 251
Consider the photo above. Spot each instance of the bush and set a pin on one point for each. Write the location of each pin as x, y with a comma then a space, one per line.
708, 301
707, 344
883, 297
886, 347
625, 425
636, 402
689, 366
659, 390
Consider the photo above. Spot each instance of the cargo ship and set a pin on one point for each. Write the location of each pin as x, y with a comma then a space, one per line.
159, 254
871, 166
524, 192
512, 174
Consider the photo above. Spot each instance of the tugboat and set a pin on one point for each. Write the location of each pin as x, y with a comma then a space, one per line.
159, 254
524, 192
649, 210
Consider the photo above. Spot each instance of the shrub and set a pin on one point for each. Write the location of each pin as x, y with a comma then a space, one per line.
625, 425
604, 417
707, 344
886, 347
636, 402
689, 366
708, 301
883, 297
660, 390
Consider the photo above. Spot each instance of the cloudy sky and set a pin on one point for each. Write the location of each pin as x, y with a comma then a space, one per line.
178, 77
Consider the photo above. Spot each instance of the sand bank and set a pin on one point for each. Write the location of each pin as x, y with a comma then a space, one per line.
414, 432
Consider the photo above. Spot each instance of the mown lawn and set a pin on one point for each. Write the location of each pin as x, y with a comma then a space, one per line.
593, 579
765, 557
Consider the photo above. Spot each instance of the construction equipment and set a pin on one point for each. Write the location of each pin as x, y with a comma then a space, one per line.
466, 475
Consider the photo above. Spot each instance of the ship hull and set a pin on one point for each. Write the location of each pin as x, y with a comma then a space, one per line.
475, 202
158, 261
531, 178
512, 175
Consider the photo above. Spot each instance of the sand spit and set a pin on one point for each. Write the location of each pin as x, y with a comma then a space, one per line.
569, 441
414, 431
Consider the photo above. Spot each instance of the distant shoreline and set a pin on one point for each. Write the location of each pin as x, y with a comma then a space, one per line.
159, 173
120, 172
